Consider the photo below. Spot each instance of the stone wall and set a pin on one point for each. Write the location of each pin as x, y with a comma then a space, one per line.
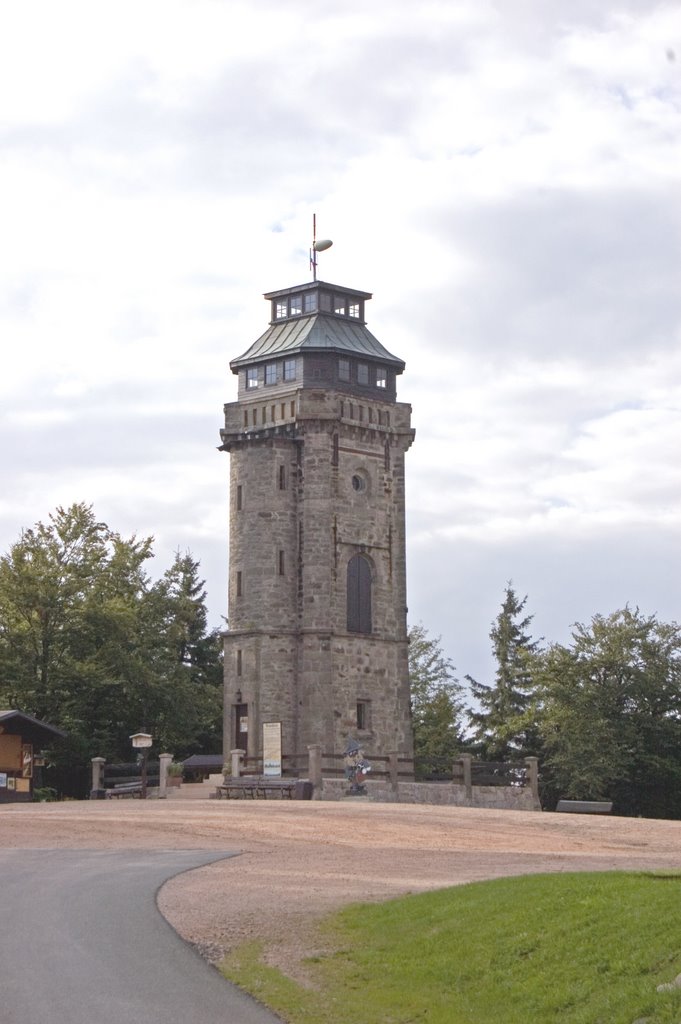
512, 798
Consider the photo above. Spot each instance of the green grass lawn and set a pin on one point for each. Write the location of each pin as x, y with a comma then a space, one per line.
574, 948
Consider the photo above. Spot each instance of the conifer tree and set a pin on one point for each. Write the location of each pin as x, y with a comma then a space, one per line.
503, 728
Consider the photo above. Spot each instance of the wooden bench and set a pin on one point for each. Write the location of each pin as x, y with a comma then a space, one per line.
256, 787
131, 789
584, 806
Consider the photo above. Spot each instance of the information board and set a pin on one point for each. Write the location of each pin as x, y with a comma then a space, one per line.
271, 748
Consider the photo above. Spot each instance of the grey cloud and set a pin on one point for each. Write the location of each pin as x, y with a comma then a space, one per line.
456, 586
562, 274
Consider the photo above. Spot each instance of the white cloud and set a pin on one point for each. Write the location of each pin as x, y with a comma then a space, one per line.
502, 177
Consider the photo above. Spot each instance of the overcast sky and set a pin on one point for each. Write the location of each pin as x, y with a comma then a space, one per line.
503, 176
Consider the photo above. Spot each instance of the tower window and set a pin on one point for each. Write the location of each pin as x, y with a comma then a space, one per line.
239, 662
353, 310
252, 377
344, 369
239, 497
381, 377
239, 583
363, 714
289, 369
310, 301
282, 478
280, 309
359, 595
282, 563
296, 305
271, 373
339, 304
362, 373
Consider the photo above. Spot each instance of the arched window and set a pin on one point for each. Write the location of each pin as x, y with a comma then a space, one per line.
359, 595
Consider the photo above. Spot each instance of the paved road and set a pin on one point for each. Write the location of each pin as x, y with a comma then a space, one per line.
82, 942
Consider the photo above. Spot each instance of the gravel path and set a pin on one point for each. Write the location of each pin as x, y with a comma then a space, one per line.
300, 860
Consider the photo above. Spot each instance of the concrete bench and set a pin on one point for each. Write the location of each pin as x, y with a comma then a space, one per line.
584, 806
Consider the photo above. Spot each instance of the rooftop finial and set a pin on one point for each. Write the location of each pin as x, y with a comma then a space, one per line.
317, 246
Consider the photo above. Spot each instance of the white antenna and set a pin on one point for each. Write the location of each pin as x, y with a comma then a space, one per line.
317, 246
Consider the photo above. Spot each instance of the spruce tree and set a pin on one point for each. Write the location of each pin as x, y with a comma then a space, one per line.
503, 728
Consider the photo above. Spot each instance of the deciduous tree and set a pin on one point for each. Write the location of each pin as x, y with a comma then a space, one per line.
437, 705
610, 713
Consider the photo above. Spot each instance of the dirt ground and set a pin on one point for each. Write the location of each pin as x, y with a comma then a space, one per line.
299, 860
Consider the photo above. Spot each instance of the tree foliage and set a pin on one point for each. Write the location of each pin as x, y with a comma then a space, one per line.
610, 713
89, 643
503, 728
437, 705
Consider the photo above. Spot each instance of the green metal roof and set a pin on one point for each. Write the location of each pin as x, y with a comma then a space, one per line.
314, 333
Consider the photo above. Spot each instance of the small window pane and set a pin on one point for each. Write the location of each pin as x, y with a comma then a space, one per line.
271, 373
296, 304
344, 369
289, 369
310, 302
339, 304
353, 309
281, 310
325, 302
362, 373
252, 377
381, 377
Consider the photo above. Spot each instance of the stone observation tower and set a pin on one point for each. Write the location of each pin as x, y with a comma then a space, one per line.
317, 637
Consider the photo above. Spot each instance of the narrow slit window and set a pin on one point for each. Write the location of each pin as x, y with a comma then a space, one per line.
239, 662
239, 583
282, 563
239, 497
282, 478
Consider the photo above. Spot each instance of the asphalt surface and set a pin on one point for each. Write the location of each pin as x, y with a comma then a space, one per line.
82, 942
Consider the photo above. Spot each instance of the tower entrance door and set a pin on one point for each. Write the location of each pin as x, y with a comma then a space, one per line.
241, 726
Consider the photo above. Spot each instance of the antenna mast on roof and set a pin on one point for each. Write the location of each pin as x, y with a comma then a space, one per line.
317, 246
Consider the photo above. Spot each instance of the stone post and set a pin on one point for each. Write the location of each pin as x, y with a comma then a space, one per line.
314, 753
392, 769
164, 761
467, 762
97, 791
533, 778
237, 762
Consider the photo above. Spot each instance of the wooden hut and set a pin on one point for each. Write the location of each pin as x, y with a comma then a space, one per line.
22, 738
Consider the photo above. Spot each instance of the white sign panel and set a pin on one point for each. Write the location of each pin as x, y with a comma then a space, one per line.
271, 748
